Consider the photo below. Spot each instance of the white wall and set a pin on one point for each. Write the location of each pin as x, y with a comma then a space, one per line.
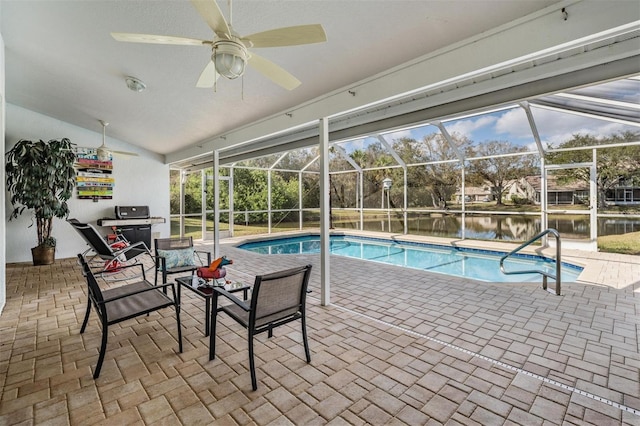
3, 232
142, 180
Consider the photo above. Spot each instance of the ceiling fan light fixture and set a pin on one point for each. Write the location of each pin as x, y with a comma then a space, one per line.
135, 84
230, 58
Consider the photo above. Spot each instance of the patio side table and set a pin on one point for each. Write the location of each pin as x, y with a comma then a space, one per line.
206, 292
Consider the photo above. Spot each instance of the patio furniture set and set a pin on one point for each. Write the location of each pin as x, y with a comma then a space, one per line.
277, 298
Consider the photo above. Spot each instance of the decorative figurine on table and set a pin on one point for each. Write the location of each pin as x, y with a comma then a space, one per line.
215, 271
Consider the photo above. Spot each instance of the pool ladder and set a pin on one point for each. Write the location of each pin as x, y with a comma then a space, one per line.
545, 275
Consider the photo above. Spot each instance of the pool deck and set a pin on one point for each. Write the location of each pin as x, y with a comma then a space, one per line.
395, 346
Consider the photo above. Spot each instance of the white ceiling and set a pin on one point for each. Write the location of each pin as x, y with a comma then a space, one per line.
62, 62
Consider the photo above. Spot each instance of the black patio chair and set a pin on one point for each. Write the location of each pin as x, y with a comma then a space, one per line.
177, 255
124, 302
113, 257
277, 299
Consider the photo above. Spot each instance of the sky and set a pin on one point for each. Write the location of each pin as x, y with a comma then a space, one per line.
512, 125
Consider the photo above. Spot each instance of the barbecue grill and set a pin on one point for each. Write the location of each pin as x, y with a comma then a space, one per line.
133, 222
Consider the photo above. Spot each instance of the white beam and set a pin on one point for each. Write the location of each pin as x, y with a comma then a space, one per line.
216, 204
325, 287
586, 114
603, 101
533, 126
341, 151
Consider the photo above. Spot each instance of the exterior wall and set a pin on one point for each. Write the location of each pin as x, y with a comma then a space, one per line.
523, 189
142, 180
475, 194
3, 279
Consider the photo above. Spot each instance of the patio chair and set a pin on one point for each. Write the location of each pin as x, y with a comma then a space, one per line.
127, 301
277, 299
113, 254
177, 255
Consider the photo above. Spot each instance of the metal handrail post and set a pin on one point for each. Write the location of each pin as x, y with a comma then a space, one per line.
545, 275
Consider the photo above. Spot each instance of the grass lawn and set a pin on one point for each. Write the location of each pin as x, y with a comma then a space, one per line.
625, 244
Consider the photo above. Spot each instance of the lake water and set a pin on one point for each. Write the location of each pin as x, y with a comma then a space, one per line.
497, 227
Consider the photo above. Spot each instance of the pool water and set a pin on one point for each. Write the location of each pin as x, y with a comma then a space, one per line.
478, 264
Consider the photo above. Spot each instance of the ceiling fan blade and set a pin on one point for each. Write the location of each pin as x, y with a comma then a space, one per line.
209, 76
288, 36
277, 74
132, 154
212, 14
158, 39
104, 151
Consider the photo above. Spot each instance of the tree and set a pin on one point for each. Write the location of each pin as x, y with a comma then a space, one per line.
250, 192
174, 191
343, 187
431, 184
193, 193
613, 166
375, 155
412, 151
444, 178
498, 170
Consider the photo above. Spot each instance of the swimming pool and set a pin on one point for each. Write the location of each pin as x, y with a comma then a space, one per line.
483, 265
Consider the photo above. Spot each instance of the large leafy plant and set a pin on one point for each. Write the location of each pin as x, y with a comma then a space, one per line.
41, 177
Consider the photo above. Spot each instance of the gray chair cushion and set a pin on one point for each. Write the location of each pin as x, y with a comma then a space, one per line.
132, 305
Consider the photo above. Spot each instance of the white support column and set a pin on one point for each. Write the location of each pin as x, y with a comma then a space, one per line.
593, 204
231, 215
361, 198
203, 203
216, 204
300, 199
325, 290
464, 206
183, 179
269, 201
544, 216
405, 201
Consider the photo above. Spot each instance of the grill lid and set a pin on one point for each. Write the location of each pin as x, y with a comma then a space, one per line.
132, 212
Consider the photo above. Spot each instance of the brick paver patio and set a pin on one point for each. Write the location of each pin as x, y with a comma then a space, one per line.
397, 346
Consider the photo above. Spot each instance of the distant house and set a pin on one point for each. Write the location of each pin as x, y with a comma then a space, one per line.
475, 194
529, 187
571, 193
624, 194
576, 192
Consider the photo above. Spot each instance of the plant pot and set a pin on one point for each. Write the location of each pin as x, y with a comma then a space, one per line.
43, 255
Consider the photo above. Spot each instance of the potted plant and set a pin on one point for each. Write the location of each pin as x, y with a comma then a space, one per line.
41, 177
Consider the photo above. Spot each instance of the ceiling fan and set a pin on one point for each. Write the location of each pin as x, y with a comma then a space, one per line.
103, 151
230, 52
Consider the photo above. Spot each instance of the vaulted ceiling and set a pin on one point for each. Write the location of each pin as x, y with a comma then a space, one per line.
62, 62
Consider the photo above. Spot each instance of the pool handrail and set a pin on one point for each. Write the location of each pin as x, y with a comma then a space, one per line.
544, 274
